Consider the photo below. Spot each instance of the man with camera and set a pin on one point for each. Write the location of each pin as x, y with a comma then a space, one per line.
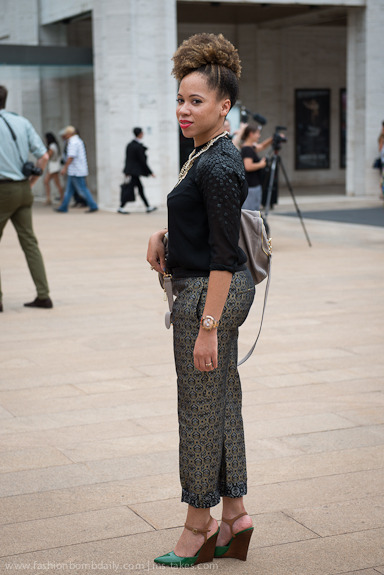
18, 138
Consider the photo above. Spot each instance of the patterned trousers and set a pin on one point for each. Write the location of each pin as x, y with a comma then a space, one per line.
212, 452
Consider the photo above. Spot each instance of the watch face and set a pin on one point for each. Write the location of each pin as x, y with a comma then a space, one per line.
207, 323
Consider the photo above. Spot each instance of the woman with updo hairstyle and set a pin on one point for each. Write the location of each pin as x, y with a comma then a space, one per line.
214, 291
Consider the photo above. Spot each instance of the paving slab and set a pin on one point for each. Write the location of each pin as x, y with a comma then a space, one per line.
363, 572
69, 529
88, 403
87, 497
278, 469
339, 439
344, 517
32, 458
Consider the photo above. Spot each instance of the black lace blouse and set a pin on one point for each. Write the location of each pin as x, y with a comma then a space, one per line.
204, 214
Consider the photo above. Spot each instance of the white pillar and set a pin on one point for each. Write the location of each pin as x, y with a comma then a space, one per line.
134, 41
365, 88
374, 113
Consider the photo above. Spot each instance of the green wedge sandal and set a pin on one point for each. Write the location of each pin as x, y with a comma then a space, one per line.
237, 548
204, 555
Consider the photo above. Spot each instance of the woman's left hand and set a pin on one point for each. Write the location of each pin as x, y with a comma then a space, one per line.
205, 352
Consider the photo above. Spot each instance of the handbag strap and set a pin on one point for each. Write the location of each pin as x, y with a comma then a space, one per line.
169, 297
13, 137
248, 355
168, 290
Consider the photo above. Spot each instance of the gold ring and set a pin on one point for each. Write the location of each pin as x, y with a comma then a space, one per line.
208, 364
152, 268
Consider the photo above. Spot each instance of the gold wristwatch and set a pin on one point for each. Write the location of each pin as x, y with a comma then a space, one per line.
209, 323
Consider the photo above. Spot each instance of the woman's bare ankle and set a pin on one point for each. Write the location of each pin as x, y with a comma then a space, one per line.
190, 541
232, 507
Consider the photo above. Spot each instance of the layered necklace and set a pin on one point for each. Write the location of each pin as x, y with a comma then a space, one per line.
192, 157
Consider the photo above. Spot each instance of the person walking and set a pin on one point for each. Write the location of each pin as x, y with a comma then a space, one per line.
136, 166
78, 201
215, 291
18, 138
53, 170
76, 168
381, 152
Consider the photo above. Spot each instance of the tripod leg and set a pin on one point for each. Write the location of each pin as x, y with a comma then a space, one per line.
294, 201
270, 185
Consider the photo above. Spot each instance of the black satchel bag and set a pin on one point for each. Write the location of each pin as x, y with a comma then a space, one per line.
127, 193
377, 164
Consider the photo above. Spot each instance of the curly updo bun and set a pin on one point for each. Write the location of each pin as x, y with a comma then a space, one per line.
213, 56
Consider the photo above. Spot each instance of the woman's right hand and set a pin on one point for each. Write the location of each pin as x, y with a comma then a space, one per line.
156, 251
262, 163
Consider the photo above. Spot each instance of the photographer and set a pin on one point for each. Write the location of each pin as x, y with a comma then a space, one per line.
17, 176
253, 165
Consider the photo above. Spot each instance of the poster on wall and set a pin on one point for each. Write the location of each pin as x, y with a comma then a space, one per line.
312, 121
343, 127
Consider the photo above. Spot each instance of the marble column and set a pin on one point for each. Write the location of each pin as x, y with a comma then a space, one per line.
134, 41
365, 88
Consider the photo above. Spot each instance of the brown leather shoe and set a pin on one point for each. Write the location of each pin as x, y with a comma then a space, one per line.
44, 303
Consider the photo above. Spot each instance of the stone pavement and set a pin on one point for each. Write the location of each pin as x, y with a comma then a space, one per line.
88, 426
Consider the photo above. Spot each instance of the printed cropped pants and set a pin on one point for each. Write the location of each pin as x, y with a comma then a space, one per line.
212, 452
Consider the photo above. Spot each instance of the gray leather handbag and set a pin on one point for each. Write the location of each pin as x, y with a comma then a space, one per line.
257, 247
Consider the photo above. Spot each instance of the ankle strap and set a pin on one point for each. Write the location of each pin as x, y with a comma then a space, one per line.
230, 522
199, 531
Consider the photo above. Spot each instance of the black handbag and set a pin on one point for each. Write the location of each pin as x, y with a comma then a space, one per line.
127, 193
377, 164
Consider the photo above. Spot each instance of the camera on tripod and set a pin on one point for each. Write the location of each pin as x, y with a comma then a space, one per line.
278, 138
246, 114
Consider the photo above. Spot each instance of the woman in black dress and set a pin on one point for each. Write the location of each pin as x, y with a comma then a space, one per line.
214, 292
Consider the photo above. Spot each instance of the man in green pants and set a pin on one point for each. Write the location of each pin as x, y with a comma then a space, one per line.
17, 139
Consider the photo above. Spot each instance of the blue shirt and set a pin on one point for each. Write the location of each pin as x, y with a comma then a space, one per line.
28, 140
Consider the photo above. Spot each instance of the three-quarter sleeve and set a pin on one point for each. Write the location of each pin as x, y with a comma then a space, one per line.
220, 177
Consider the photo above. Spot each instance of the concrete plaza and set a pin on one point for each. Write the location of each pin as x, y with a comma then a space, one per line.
88, 425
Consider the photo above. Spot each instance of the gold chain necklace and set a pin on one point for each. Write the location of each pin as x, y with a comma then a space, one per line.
192, 157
